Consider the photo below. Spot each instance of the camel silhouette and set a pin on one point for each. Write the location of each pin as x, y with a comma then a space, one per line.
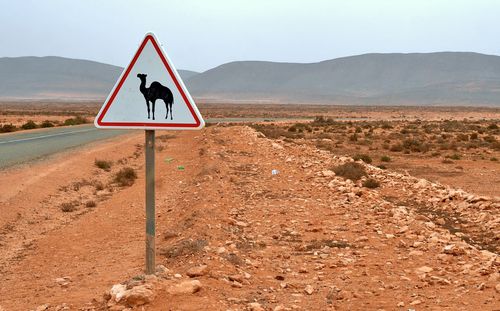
156, 91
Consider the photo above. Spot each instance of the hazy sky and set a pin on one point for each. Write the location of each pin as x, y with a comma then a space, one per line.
201, 34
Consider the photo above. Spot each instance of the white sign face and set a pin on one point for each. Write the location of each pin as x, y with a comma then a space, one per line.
149, 95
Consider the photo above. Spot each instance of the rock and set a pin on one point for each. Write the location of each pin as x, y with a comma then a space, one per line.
423, 270
197, 271
401, 304
241, 224
64, 281
42, 307
416, 302
497, 288
138, 296
453, 250
117, 292
279, 308
328, 173
309, 290
255, 306
186, 287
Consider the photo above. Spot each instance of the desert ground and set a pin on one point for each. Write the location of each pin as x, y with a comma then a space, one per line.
328, 208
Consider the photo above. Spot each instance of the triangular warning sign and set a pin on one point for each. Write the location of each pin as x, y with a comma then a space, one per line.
149, 95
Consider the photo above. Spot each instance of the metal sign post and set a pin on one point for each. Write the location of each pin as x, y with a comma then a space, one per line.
150, 202
150, 78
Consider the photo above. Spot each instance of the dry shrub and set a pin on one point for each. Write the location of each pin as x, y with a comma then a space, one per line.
68, 207
371, 183
125, 177
352, 170
184, 248
103, 164
363, 157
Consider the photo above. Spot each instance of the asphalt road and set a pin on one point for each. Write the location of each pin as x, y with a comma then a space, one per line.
17, 148
22, 147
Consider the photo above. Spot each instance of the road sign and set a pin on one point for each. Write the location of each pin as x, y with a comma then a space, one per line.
149, 95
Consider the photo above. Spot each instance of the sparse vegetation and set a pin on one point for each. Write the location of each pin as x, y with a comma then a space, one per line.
68, 207
103, 164
29, 125
47, 123
371, 183
125, 177
184, 248
385, 158
351, 170
7, 128
363, 157
75, 121
90, 204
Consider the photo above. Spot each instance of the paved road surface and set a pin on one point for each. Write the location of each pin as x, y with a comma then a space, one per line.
22, 147
26, 146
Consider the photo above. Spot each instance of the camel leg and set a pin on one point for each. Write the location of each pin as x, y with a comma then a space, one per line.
154, 102
166, 106
147, 103
171, 116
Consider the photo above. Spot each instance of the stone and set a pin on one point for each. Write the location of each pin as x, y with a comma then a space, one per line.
42, 307
453, 250
309, 290
255, 306
63, 281
423, 270
117, 291
185, 287
138, 296
197, 271
416, 302
497, 288
328, 173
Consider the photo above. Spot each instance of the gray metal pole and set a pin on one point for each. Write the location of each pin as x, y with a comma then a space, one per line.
150, 202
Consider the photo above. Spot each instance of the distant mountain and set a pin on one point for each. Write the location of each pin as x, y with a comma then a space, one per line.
445, 78
58, 78
424, 79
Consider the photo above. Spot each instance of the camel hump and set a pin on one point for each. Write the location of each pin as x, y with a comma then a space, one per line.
156, 84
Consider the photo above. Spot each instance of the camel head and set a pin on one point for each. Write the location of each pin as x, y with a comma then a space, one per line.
142, 76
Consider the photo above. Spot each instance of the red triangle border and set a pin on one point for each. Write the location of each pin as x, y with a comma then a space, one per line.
149, 37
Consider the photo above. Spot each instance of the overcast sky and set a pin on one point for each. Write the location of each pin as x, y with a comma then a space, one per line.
201, 34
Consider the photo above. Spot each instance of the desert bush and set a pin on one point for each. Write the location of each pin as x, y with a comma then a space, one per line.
493, 159
68, 207
385, 158
396, 148
184, 248
363, 157
103, 164
473, 136
353, 137
47, 123
7, 128
454, 156
29, 125
76, 121
90, 204
382, 166
371, 183
386, 126
493, 126
98, 185
125, 177
352, 170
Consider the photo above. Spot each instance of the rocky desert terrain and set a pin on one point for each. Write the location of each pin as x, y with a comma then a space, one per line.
245, 221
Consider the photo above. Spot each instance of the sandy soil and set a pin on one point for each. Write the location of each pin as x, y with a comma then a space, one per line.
299, 240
